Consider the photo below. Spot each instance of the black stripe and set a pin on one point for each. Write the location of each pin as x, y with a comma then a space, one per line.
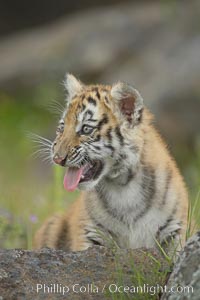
92, 120
98, 95
63, 238
83, 107
97, 92
75, 158
92, 101
119, 135
161, 228
130, 176
97, 138
98, 227
95, 242
102, 121
109, 147
113, 212
106, 100
148, 183
86, 113
140, 115
169, 219
75, 155
96, 147
168, 180
109, 135
89, 112
169, 240
98, 172
148, 190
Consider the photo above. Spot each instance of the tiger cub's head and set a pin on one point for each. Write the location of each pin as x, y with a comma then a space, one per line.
95, 136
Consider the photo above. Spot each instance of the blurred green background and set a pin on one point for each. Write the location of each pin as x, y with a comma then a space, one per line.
152, 44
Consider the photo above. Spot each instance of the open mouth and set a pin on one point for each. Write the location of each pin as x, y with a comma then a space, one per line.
87, 172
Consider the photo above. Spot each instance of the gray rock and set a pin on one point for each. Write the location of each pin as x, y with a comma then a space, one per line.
47, 274
186, 273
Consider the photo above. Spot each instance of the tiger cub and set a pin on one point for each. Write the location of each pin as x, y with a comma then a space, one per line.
132, 191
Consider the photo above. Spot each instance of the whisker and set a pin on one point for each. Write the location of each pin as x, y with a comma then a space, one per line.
37, 138
48, 158
55, 107
48, 162
40, 153
58, 104
42, 145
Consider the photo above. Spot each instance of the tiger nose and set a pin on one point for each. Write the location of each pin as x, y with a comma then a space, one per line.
59, 160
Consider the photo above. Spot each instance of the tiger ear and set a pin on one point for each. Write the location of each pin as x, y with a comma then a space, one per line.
72, 85
129, 101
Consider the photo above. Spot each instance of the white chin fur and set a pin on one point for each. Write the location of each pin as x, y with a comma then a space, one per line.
88, 185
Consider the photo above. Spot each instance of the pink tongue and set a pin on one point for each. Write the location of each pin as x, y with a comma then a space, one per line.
72, 178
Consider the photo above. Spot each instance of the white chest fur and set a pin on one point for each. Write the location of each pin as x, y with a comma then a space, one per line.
126, 212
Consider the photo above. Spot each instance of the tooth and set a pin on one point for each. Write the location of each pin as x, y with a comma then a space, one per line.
82, 176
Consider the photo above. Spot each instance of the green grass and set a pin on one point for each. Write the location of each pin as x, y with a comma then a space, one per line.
193, 216
144, 280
